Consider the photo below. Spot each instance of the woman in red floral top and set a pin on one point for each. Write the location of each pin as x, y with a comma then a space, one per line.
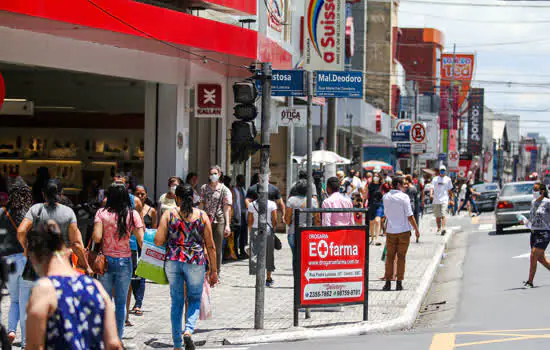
190, 250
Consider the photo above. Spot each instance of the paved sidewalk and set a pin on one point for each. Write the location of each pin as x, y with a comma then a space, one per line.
233, 300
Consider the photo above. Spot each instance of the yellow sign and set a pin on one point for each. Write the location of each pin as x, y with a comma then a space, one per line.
448, 341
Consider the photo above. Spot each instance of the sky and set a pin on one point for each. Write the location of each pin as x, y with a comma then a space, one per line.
512, 48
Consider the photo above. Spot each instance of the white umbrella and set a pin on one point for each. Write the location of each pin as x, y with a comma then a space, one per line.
327, 157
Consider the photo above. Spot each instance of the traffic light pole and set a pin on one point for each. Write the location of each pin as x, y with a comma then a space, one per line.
261, 240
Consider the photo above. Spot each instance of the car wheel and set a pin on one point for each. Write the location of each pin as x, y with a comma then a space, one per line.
500, 229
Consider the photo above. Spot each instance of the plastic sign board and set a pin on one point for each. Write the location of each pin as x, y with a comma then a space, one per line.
454, 158
285, 83
332, 266
400, 136
324, 35
289, 116
208, 101
418, 148
418, 133
339, 84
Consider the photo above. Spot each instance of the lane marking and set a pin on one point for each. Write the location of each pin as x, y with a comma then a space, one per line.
443, 341
483, 342
525, 256
486, 227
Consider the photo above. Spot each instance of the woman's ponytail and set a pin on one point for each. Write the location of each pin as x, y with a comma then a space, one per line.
51, 192
185, 194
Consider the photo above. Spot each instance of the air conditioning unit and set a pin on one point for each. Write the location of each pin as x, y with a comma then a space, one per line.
17, 107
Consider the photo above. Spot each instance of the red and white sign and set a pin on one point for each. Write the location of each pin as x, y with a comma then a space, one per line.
332, 267
208, 101
454, 158
418, 133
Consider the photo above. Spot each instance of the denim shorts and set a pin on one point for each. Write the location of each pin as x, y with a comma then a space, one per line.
540, 239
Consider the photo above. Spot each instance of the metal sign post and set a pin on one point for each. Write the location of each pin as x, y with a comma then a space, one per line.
331, 264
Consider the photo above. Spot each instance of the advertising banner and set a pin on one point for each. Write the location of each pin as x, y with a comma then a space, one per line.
332, 266
324, 35
463, 72
475, 122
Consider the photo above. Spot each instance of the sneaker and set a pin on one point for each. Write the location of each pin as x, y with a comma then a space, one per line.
443, 232
387, 286
528, 284
269, 283
438, 231
399, 286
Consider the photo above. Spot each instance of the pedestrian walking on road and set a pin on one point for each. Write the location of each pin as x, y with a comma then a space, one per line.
241, 217
253, 226
337, 200
216, 201
19, 202
375, 208
168, 200
539, 223
187, 233
193, 180
469, 199
400, 221
66, 310
113, 226
440, 195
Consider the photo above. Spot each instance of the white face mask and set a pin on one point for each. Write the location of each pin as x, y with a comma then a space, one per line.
173, 189
376, 179
536, 194
214, 178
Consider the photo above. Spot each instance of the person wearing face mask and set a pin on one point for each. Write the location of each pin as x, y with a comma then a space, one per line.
439, 195
216, 200
168, 200
375, 207
539, 224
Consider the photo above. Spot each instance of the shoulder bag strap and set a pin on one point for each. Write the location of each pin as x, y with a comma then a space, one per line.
10, 218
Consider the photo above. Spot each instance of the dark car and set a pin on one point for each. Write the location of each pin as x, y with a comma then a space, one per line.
488, 194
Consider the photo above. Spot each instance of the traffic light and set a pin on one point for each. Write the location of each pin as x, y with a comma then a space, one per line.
243, 131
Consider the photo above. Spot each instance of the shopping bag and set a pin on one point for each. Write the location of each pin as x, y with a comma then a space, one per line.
151, 261
206, 305
384, 252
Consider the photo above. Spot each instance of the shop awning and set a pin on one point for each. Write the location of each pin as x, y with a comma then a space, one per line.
134, 25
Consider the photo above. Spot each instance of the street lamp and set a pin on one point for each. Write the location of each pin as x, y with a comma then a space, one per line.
349, 117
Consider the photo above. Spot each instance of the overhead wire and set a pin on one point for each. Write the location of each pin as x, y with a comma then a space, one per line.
466, 4
472, 20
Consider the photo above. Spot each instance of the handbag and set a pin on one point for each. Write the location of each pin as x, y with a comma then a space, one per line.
277, 242
29, 274
218, 207
96, 260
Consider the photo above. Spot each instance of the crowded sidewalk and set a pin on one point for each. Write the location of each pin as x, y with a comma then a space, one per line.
233, 300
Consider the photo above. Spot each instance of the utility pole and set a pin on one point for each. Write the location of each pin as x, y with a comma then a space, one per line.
309, 141
414, 157
330, 169
263, 190
451, 90
349, 117
290, 145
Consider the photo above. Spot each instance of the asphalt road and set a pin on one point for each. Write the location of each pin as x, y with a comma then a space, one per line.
478, 293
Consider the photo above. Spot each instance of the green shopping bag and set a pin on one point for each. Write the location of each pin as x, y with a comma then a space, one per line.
151, 261
384, 252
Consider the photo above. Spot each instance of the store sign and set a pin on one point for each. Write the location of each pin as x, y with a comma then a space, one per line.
454, 158
289, 116
208, 101
461, 76
403, 150
276, 14
332, 266
324, 35
347, 84
475, 122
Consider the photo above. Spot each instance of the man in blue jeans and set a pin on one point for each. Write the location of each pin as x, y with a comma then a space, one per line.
470, 193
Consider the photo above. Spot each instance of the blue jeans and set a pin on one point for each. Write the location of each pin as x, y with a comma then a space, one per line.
192, 275
117, 279
138, 283
292, 243
20, 292
472, 201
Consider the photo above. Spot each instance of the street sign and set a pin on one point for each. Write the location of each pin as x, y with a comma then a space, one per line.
339, 84
442, 157
400, 136
418, 133
454, 158
418, 148
332, 266
285, 83
288, 116
403, 150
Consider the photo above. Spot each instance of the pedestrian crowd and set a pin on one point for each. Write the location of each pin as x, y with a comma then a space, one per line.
52, 289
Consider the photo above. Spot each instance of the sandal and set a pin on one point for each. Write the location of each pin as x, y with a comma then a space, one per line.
137, 311
128, 323
11, 337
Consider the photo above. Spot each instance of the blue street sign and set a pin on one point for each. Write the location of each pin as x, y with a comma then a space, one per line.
339, 84
403, 150
400, 136
443, 157
285, 83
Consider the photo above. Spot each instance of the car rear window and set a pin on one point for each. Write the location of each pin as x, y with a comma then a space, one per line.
516, 189
486, 187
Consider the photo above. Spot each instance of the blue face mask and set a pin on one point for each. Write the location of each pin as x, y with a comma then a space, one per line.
442, 172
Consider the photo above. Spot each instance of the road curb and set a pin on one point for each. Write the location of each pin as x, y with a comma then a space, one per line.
405, 321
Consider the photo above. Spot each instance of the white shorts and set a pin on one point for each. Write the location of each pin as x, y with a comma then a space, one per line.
440, 210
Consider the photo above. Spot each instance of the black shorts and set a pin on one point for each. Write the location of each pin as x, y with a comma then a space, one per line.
540, 239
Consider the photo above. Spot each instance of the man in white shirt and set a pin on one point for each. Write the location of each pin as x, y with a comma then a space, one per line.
400, 221
355, 181
440, 194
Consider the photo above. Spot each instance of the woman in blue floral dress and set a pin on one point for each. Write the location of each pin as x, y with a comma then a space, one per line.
66, 310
